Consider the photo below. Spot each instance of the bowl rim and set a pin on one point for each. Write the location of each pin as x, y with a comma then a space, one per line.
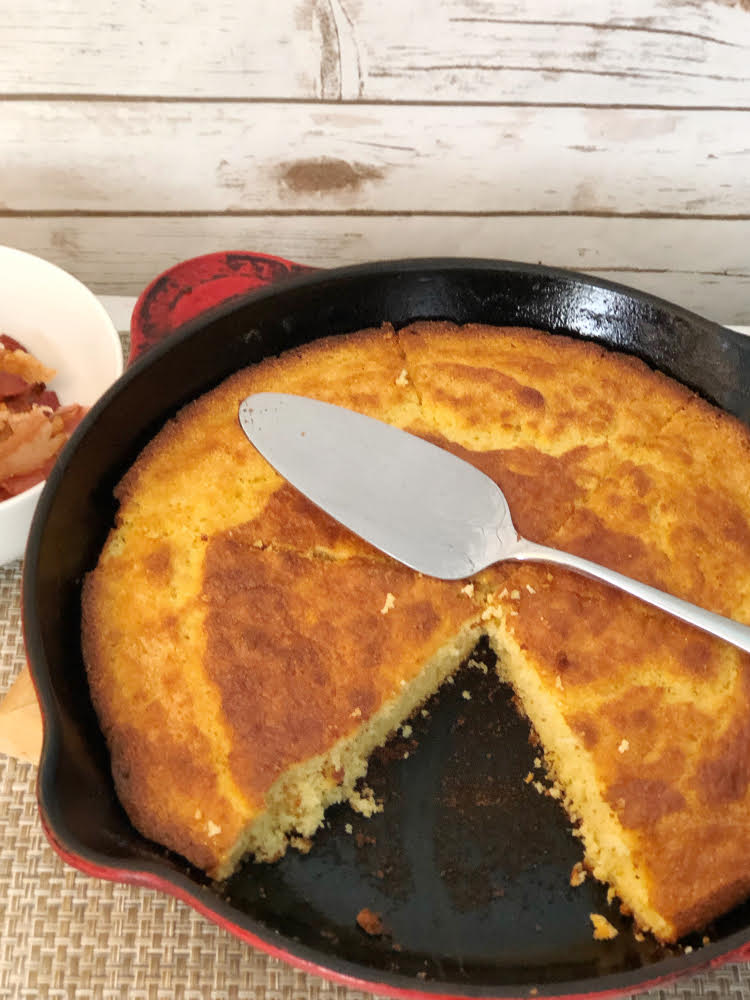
107, 327
9, 502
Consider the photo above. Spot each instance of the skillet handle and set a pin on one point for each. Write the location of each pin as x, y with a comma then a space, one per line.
190, 288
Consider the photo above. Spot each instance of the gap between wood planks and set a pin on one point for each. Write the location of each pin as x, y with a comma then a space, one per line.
356, 102
364, 213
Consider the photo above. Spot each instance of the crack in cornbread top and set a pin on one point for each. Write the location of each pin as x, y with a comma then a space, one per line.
485, 389
684, 496
245, 573
541, 489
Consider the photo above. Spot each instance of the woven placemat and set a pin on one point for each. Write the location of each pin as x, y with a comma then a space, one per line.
64, 934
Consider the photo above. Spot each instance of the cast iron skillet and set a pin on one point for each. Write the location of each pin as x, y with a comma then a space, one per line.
468, 865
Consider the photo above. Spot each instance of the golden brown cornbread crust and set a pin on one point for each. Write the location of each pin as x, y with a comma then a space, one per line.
224, 604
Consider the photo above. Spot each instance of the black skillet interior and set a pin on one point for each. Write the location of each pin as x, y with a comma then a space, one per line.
468, 865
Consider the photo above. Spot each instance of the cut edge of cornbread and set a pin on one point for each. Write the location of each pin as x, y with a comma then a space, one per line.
570, 766
295, 804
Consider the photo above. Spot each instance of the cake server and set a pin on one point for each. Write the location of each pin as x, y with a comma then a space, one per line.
417, 502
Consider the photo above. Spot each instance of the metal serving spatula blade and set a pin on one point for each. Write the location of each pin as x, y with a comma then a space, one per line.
417, 502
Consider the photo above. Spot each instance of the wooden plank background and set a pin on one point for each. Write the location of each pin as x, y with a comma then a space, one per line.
612, 137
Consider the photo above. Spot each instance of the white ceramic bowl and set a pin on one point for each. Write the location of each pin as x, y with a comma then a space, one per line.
63, 324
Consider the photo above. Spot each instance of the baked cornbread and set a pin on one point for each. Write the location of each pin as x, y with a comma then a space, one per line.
246, 654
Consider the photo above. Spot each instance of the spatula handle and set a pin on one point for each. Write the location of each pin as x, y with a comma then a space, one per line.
725, 628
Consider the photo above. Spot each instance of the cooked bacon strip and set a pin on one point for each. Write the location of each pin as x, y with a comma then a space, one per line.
11, 343
33, 425
34, 438
26, 365
12, 385
14, 485
35, 395
71, 416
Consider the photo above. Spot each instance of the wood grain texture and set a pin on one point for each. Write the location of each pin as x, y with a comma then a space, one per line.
667, 52
701, 265
672, 52
153, 157
194, 48
608, 136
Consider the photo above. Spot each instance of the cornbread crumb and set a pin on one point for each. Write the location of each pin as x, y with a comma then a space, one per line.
529, 778
540, 787
213, 829
406, 755
406, 731
705, 939
491, 612
530, 588
370, 922
503, 593
610, 894
537, 762
363, 802
390, 602
348, 828
578, 874
515, 595
257, 544
639, 935
466, 695
302, 844
603, 929
688, 949
356, 713
468, 590
424, 713
403, 378
624, 745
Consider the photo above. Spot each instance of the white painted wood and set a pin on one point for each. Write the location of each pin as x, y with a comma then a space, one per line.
196, 48
159, 157
674, 52
699, 264
247, 144
669, 52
